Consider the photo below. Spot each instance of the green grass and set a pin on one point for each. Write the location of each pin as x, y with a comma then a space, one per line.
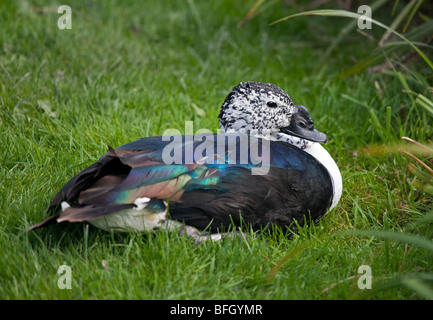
128, 70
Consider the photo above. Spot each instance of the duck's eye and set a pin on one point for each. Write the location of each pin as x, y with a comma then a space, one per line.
271, 104
302, 125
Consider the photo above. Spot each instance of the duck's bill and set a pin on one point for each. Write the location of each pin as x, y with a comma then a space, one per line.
302, 126
310, 134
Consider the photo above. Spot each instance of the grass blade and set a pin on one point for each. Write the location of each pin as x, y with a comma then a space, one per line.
251, 13
421, 100
419, 286
406, 10
348, 14
377, 54
286, 258
412, 13
349, 27
415, 240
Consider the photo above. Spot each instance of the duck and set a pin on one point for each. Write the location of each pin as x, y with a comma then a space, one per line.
265, 168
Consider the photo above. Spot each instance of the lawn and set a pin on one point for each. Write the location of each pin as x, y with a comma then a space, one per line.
133, 69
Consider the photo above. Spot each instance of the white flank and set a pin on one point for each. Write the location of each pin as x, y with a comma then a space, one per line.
135, 219
320, 153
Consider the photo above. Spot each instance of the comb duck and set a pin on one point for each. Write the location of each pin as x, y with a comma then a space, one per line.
265, 168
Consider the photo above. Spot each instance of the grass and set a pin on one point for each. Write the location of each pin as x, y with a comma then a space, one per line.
126, 71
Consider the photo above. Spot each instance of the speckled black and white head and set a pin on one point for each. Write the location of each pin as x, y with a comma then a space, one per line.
256, 107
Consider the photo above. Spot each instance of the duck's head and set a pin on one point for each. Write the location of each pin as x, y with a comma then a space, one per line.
256, 107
